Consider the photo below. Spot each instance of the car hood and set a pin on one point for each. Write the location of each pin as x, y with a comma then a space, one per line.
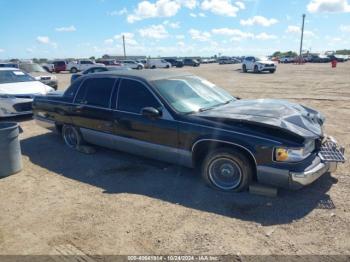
279, 114
24, 88
39, 75
265, 62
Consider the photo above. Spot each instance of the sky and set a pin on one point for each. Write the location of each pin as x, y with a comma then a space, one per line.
84, 28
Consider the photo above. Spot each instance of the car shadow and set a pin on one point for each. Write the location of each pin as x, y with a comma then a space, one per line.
115, 172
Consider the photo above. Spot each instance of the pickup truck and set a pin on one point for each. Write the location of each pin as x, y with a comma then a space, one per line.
181, 118
81, 65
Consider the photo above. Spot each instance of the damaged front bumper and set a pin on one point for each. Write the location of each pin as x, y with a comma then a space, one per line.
324, 161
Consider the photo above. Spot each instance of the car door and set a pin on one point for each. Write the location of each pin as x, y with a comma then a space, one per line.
92, 109
139, 134
249, 63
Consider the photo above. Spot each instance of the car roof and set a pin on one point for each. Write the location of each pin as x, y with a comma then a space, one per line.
148, 75
9, 68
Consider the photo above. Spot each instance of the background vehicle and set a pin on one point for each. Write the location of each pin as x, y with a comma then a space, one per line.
191, 62
287, 59
175, 62
81, 65
60, 66
17, 90
228, 60
320, 59
38, 72
49, 67
258, 64
157, 63
338, 58
108, 62
234, 142
132, 64
97, 69
12, 65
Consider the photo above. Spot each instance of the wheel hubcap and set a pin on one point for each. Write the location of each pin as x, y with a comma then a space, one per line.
225, 173
70, 137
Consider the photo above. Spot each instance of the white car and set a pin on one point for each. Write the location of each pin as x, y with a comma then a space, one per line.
132, 64
258, 64
158, 63
38, 72
81, 65
17, 90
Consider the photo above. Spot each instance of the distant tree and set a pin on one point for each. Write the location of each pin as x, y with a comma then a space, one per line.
288, 53
343, 52
92, 58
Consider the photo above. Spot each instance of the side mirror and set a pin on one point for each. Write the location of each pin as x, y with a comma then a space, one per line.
151, 112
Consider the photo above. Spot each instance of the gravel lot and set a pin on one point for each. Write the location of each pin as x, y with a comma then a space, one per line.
65, 202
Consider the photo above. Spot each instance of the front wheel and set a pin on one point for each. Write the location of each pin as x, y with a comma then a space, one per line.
72, 136
272, 71
73, 70
227, 170
244, 67
256, 69
139, 67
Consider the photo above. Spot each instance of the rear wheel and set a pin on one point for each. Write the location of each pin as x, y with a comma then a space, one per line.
73, 70
244, 67
139, 67
72, 136
153, 67
227, 170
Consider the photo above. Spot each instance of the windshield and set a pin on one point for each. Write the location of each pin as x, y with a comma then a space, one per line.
262, 58
190, 94
31, 68
14, 76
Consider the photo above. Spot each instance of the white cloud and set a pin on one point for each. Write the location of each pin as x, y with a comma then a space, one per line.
296, 30
220, 7
191, 4
109, 41
2, 50
43, 39
29, 50
174, 25
66, 29
328, 6
265, 36
180, 37
259, 20
345, 28
129, 38
193, 15
241, 5
161, 8
181, 43
154, 31
236, 34
119, 12
201, 14
199, 35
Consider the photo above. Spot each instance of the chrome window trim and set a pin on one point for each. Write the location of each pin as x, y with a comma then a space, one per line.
229, 131
226, 142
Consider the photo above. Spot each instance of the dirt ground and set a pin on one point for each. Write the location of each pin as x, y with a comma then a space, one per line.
66, 202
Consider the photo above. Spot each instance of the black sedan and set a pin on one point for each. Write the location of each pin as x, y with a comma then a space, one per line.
97, 69
184, 119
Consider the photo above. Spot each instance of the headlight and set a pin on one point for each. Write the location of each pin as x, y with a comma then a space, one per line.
285, 154
53, 77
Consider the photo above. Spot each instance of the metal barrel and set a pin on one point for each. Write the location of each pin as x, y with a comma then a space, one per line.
10, 149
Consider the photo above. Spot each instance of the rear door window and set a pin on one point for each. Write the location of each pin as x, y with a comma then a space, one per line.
96, 92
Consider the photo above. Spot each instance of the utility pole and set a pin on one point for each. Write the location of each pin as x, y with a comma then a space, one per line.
302, 37
124, 47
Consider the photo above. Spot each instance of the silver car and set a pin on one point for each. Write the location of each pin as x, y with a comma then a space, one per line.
40, 74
